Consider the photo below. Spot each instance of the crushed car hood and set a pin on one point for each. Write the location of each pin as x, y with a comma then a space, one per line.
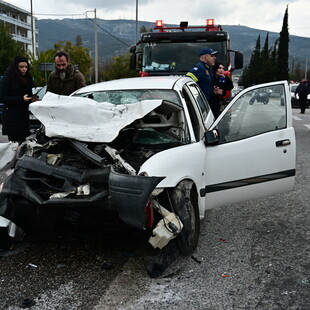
85, 119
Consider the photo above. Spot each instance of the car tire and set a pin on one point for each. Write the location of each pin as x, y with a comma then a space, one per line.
251, 101
185, 205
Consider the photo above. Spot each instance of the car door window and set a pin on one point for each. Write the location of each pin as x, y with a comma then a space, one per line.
257, 111
200, 99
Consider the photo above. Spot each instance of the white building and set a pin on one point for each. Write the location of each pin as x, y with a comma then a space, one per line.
19, 22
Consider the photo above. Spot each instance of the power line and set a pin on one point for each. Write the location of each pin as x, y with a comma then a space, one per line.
84, 14
116, 38
43, 14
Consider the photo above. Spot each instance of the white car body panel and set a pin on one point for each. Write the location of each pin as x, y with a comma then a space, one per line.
251, 159
231, 172
8, 154
226, 163
223, 173
64, 116
174, 165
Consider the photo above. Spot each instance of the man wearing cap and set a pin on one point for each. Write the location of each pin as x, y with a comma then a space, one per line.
202, 73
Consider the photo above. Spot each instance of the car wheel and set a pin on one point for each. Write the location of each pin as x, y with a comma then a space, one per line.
185, 205
251, 101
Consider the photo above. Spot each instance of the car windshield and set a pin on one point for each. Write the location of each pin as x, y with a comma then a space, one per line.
177, 57
131, 96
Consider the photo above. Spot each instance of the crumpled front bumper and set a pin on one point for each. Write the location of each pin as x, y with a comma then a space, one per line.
127, 195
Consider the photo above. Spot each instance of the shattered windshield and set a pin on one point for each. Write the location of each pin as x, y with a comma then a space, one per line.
131, 96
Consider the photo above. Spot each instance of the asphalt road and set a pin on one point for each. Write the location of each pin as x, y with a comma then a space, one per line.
252, 255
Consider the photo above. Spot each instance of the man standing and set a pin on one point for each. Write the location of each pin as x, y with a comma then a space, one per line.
65, 79
202, 73
302, 90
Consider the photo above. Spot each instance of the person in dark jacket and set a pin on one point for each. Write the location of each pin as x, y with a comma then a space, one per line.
16, 94
65, 79
303, 89
224, 83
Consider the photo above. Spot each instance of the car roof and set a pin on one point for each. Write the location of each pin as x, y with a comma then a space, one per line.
154, 82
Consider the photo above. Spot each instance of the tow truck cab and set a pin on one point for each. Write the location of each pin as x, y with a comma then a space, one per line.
174, 50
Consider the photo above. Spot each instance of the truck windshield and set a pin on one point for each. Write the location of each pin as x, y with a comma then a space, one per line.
178, 57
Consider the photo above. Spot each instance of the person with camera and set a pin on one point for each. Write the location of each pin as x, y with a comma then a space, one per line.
16, 94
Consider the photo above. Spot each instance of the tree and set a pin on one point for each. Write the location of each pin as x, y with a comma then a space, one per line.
78, 40
40, 77
273, 60
269, 64
282, 69
145, 29
9, 48
252, 73
118, 68
267, 70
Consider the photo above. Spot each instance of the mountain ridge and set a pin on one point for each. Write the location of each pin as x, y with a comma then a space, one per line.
116, 36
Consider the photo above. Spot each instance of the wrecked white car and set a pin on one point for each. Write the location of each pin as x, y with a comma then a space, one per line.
148, 152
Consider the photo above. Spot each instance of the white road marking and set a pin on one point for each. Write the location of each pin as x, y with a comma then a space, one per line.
307, 125
296, 118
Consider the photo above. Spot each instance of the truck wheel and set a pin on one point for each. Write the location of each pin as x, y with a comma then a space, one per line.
185, 205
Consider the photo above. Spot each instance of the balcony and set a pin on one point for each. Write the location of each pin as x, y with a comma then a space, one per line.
14, 21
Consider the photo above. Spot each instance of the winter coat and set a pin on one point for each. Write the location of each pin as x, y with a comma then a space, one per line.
73, 81
225, 84
303, 89
15, 115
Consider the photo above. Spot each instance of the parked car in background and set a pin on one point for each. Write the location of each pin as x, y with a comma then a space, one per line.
294, 99
148, 153
40, 92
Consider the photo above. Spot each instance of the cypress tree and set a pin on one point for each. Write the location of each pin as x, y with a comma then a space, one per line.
266, 70
254, 67
282, 69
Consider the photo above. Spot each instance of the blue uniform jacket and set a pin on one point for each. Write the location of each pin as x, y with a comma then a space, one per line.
203, 76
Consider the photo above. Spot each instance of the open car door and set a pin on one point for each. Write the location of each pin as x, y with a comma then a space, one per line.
256, 152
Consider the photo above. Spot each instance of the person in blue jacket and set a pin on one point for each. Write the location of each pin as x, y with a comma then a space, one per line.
202, 72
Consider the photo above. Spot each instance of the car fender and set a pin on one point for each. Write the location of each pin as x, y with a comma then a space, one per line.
177, 164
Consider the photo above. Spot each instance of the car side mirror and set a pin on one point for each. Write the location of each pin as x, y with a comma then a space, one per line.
212, 137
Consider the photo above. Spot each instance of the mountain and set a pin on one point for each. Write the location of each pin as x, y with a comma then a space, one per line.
116, 36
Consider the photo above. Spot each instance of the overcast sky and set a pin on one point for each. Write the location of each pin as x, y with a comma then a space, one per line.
262, 14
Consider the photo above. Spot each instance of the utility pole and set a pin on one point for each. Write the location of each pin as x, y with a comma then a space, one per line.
96, 48
96, 44
136, 22
32, 31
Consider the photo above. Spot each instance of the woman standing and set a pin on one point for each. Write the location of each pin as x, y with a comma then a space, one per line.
223, 82
16, 95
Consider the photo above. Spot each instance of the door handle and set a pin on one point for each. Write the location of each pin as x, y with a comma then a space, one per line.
283, 142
